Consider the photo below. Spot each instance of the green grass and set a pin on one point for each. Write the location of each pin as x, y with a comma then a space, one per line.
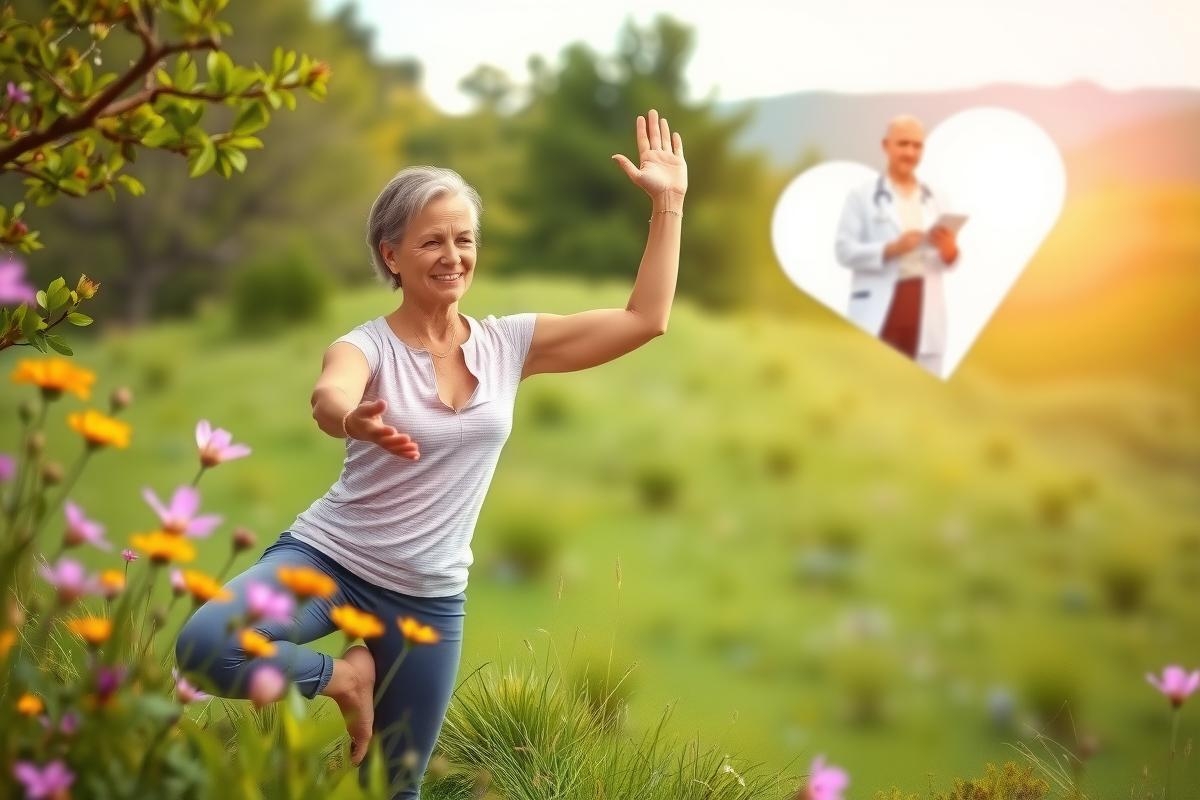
821, 549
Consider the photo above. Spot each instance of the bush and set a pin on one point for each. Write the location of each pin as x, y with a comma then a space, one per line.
285, 289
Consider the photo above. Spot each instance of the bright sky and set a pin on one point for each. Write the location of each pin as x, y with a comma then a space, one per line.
758, 48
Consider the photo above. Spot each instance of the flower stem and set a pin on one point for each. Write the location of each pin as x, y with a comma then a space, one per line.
1171, 755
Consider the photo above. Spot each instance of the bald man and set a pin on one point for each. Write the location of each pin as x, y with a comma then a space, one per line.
886, 236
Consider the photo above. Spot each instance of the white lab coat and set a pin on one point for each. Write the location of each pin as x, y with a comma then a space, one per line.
869, 221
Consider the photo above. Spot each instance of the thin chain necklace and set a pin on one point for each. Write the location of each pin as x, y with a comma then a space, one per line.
453, 344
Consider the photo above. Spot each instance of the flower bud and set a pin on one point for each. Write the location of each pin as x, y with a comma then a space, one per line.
52, 473
26, 411
243, 539
36, 443
87, 288
122, 398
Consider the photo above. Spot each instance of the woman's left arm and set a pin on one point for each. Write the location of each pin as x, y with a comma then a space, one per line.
569, 342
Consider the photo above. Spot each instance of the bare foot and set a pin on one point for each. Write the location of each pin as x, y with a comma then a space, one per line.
353, 689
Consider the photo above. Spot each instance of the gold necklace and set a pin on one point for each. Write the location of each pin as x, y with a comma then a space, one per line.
435, 355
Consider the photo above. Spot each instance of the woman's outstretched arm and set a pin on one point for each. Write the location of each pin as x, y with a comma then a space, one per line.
569, 342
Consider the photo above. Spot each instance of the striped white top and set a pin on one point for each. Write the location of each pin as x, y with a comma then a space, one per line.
407, 525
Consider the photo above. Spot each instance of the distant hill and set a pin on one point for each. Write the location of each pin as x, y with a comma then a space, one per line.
1079, 117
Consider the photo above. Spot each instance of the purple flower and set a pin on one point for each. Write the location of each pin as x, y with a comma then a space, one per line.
215, 445
17, 94
8, 467
1176, 683
129, 555
68, 724
46, 782
181, 517
825, 782
70, 578
13, 287
263, 602
108, 680
80, 529
186, 692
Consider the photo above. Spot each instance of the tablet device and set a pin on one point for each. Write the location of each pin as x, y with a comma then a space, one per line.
951, 221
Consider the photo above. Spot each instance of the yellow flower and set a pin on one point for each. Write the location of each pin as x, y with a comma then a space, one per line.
417, 633
356, 624
7, 639
306, 581
204, 587
30, 705
112, 582
94, 630
256, 644
55, 375
163, 547
98, 429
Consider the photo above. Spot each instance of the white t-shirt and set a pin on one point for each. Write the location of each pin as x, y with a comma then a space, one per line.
908, 207
407, 525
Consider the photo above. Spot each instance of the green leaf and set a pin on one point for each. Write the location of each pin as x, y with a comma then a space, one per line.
59, 298
161, 136
131, 183
253, 117
38, 342
186, 72
236, 158
204, 159
58, 283
246, 142
220, 70
42, 300
58, 343
163, 76
79, 318
31, 323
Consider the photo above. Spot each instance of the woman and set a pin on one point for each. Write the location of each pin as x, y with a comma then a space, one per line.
424, 397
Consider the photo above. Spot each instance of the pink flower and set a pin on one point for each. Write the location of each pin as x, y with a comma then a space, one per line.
68, 724
129, 555
80, 529
181, 517
215, 446
8, 467
71, 580
17, 94
50, 780
824, 782
267, 685
13, 287
263, 602
1177, 683
186, 692
178, 586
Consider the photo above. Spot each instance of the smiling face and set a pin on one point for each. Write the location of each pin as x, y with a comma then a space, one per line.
903, 144
436, 257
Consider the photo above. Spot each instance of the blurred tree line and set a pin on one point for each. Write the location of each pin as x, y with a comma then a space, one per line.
537, 149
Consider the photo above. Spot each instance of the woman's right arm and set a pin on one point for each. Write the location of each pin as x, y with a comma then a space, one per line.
344, 375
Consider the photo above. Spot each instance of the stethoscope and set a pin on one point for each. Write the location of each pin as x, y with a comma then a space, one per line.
881, 191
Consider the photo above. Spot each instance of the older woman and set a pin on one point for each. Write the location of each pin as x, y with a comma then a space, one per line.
423, 396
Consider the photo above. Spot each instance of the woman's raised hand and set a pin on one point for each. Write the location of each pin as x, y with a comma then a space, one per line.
660, 157
366, 424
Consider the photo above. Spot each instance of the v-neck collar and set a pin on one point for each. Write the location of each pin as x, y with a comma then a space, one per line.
470, 356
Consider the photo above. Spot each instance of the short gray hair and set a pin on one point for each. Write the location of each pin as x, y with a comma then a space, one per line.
404, 197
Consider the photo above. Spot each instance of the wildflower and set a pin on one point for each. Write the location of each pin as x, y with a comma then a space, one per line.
54, 376
112, 582
7, 639
108, 680
16, 93
185, 691
256, 644
178, 586
180, 518
267, 685
8, 467
120, 399
70, 578
29, 705
86, 288
215, 445
263, 602
356, 624
94, 630
52, 780
1176, 683
163, 548
204, 588
825, 782
306, 581
417, 633
13, 287
98, 429
80, 529
129, 555
243, 539
68, 724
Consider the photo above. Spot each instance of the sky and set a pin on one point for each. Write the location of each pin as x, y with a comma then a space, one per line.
758, 48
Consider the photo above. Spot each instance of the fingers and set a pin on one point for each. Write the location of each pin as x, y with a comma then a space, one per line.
654, 130
643, 142
626, 166
664, 134
677, 144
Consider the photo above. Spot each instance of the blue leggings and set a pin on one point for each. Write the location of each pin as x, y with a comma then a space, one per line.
409, 715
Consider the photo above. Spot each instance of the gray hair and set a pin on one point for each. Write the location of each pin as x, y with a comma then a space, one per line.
404, 197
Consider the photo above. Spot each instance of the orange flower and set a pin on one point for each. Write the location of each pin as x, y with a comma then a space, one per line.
356, 624
204, 587
417, 633
30, 705
256, 644
112, 582
306, 581
55, 375
98, 429
163, 547
7, 639
94, 630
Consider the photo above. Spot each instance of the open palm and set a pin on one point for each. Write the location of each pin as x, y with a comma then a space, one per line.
660, 157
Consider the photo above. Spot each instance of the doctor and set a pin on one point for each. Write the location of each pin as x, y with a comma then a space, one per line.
884, 237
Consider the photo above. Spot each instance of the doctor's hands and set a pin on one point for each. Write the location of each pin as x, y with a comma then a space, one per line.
906, 242
660, 158
946, 241
366, 424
